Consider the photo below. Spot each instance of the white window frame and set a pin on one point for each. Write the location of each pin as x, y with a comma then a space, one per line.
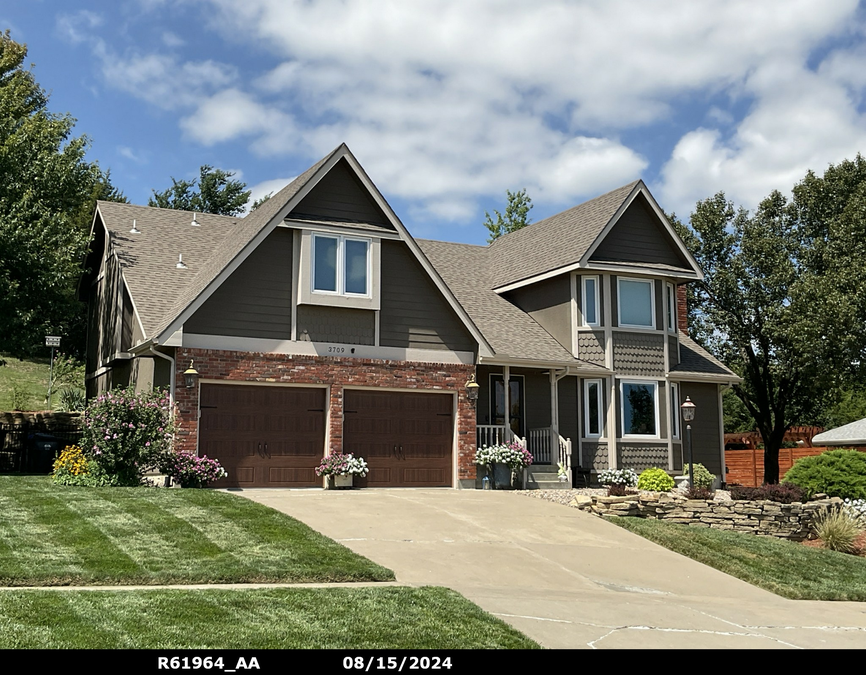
651, 283
671, 307
675, 409
341, 266
644, 382
583, 280
586, 415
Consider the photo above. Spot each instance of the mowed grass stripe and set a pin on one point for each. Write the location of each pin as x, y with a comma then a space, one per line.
336, 618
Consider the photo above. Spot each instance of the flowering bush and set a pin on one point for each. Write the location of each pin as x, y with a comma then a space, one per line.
624, 477
74, 468
192, 471
511, 454
127, 433
338, 464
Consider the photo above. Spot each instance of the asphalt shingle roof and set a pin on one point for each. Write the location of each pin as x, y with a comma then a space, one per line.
853, 433
695, 360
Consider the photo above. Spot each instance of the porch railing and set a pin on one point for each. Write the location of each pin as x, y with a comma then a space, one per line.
548, 447
495, 434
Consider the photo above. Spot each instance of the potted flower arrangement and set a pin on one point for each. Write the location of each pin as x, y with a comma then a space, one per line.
511, 456
341, 469
617, 480
191, 471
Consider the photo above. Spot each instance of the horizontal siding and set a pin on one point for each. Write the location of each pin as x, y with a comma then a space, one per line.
341, 196
414, 313
256, 300
706, 437
549, 303
639, 237
336, 324
673, 351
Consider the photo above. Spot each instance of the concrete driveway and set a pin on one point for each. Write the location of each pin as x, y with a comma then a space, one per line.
565, 578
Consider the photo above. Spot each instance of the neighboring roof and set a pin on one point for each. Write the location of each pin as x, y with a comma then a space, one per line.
149, 259
556, 241
849, 434
511, 332
695, 360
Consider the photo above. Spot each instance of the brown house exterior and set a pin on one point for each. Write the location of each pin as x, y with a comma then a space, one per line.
318, 324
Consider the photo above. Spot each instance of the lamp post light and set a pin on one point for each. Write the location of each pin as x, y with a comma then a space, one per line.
190, 376
688, 410
472, 388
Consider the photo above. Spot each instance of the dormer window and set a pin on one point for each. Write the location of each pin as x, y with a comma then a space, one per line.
341, 265
636, 303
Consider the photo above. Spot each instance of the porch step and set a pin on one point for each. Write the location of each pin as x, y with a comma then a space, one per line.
543, 477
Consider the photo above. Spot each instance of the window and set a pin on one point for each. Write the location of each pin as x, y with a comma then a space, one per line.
636, 302
341, 265
590, 301
675, 410
593, 420
672, 307
639, 407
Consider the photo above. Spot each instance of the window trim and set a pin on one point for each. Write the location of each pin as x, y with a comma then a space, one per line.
671, 307
644, 382
675, 409
586, 414
652, 285
341, 266
583, 280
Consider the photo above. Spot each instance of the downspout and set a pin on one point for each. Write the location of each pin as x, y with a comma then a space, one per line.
722, 387
170, 359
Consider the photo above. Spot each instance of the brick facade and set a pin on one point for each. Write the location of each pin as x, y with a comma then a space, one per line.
213, 364
682, 309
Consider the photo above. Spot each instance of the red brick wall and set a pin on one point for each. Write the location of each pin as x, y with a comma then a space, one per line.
682, 309
213, 364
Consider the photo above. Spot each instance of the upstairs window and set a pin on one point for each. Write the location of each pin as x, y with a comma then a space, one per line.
341, 265
590, 301
672, 307
636, 302
593, 409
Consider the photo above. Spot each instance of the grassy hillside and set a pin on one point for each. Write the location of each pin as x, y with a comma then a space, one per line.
31, 379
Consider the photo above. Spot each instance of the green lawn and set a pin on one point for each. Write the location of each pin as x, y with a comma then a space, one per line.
296, 618
30, 376
782, 567
52, 535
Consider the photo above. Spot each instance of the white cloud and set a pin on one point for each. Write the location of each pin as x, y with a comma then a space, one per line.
77, 27
232, 113
129, 153
267, 187
172, 40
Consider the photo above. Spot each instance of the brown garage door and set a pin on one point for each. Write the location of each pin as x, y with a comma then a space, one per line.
405, 437
263, 436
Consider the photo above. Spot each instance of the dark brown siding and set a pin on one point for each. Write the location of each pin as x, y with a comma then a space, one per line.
256, 300
341, 196
705, 427
336, 324
568, 409
128, 322
673, 351
639, 237
549, 303
414, 313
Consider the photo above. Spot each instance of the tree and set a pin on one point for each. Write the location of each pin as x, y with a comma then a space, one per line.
213, 192
261, 200
516, 215
46, 198
783, 299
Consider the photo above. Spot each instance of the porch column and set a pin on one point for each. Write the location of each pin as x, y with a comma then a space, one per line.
506, 381
554, 419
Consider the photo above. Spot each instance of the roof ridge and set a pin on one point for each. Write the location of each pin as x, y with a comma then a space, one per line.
169, 210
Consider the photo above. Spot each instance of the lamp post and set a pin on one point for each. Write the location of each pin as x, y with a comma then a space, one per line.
688, 410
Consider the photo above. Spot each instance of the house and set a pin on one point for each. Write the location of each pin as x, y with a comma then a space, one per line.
852, 435
317, 323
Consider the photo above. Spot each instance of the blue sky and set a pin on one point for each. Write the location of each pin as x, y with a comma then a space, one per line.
449, 103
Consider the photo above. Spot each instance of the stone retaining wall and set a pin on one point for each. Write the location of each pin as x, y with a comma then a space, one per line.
786, 521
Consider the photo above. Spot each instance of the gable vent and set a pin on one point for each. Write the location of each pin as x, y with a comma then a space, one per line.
134, 229
180, 264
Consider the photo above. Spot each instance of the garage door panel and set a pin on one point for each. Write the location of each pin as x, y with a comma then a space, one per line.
263, 436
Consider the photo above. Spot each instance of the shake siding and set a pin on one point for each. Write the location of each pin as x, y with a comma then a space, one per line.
256, 300
640, 354
414, 314
336, 324
549, 303
639, 237
340, 196
590, 346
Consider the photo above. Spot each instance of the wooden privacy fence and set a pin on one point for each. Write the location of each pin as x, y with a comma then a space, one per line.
746, 467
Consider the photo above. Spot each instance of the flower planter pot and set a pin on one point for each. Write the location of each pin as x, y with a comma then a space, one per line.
342, 482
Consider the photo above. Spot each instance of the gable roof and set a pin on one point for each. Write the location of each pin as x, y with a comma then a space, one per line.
697, 361
567, 240
853, 434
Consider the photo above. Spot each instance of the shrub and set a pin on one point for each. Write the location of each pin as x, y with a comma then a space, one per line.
703, 478
18, 397
838, 530
128, 433
839, 473
74, 468
782, 493
71, 400
657, 480
624, 477
192, 471
699, 492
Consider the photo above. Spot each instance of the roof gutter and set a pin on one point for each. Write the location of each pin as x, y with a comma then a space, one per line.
171, 360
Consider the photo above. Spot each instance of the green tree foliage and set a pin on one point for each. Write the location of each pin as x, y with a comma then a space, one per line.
213, 192
261, 200
784, 298
46, 206
516, 216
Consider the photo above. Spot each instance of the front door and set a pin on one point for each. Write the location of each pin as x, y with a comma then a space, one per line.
516, 405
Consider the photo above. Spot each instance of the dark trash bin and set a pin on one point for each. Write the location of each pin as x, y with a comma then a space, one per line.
42, 450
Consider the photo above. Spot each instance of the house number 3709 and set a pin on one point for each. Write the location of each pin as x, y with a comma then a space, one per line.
337, 350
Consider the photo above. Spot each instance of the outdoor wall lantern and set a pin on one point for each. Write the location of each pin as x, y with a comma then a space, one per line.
472, 388
190, 376
688, 409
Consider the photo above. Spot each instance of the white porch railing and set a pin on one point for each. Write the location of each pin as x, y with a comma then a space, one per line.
548, 447
495, 434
